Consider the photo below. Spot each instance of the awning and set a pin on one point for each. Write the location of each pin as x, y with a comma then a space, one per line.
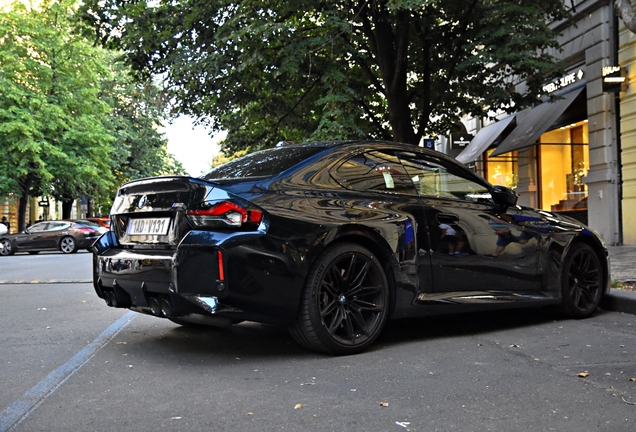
484, 138
533, 122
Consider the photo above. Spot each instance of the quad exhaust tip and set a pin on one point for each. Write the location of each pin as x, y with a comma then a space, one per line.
155, 308
161, 307
110, 298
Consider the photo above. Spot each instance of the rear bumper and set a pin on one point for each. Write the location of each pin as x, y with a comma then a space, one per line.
185, 281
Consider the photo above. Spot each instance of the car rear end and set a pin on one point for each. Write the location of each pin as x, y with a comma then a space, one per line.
165, 254
86, 233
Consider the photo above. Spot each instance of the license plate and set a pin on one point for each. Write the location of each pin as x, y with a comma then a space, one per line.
148, 226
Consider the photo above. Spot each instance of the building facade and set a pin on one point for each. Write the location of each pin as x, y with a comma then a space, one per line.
627, 60
564, 155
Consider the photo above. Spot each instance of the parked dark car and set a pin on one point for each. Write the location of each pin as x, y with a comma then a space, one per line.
331, 239
60, 235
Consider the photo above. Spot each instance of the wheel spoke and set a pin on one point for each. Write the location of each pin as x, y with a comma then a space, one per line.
366, 306
357, 318
328, 309
329, 288
349, 272
336, 321
348, 325
336, 279
365, 291
360, 277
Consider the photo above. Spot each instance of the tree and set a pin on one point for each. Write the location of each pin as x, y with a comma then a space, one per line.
625, 11
138, 111
51, 116
266, 70
73, 124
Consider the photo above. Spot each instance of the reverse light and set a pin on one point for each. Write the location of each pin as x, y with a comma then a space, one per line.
224, 214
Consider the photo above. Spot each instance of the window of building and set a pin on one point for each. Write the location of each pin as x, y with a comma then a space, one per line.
502, 170
564, 161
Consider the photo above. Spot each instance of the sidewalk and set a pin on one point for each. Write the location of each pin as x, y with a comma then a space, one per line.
623, 270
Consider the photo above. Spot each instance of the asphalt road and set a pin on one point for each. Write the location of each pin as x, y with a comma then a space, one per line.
68, 362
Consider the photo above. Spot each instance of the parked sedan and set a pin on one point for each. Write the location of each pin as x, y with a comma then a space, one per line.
332, 239
60, 235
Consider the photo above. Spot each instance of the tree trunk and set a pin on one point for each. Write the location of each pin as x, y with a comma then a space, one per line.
22, 206
89, 208
391, 48
67, 206
24, 201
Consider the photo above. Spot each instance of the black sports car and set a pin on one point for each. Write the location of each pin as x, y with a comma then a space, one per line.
67, 236
332, 239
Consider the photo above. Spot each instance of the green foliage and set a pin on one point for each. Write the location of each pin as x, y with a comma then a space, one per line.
50, 110
65, 106
269, 70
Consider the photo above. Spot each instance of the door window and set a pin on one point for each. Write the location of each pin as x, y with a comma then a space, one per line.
37, 228
433, 178
374, 171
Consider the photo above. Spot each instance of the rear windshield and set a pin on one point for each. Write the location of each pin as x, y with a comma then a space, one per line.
265, 163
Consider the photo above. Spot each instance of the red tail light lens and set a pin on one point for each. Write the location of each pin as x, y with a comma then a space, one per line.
224, 214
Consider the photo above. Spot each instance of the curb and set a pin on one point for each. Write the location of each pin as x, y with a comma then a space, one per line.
619, 300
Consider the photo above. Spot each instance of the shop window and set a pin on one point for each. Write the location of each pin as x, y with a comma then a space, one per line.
502, 170
564, 162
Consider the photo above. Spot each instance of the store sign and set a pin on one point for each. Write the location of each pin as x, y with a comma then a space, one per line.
614, 79
461, 140
564, 81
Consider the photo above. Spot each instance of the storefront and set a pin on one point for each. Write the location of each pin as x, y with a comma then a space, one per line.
562, 155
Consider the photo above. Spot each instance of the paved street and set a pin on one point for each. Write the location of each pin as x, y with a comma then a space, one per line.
70, 363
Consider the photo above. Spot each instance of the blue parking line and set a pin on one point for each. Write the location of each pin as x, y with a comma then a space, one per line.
20, 409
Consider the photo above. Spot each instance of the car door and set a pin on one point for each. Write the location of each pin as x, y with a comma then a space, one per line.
31, 238
475, 245
54, 232
380, 179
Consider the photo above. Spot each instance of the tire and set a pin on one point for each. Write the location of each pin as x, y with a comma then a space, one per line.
7, 247
581, 282
345, 302
68, 245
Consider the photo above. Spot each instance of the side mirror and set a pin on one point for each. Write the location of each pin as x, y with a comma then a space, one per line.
504, 196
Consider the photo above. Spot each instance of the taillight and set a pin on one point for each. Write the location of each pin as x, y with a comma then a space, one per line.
85, 231
224, 214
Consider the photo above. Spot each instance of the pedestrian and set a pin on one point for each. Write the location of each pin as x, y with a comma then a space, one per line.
6, 223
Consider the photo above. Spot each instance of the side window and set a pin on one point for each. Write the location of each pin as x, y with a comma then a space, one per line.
38, 227
374, 171
435, 178
56, 226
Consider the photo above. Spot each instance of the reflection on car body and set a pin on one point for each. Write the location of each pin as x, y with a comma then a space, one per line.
332, 239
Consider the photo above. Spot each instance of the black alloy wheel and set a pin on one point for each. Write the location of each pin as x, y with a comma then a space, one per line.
68, 245
582, 281
7, 247
345, 303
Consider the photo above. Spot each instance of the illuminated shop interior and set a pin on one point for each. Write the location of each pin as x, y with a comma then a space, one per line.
563, 162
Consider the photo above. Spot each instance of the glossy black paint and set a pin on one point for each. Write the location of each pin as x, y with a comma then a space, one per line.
440, 253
